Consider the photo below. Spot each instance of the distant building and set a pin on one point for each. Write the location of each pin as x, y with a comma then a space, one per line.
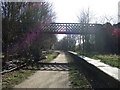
119, 11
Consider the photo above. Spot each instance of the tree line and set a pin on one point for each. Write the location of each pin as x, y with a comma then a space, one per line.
105, 40
21, 22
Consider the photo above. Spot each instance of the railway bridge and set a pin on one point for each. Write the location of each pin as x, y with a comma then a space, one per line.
70, 28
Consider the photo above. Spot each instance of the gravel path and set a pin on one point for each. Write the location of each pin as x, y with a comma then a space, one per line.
48, 79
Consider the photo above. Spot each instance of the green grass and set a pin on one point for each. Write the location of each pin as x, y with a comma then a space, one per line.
110, 59
51, 57
76, 76
113, 60
2, 56
11, 79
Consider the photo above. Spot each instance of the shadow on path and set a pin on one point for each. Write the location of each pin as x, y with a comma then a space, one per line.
50, 67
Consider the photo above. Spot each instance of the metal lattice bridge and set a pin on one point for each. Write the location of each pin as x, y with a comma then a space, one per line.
70, 28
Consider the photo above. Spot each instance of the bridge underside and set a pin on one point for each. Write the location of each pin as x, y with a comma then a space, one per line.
70, 28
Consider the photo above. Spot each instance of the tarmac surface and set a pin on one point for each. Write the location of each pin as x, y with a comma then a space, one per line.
48, 79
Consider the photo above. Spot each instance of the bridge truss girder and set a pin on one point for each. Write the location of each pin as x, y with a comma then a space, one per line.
70, 28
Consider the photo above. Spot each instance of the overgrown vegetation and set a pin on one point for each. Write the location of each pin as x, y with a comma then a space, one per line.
21, 25
110, 59
113, 60
77, 78
11, 79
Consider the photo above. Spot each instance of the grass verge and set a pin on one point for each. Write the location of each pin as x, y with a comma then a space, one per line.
77, 78
51, 57
9, 80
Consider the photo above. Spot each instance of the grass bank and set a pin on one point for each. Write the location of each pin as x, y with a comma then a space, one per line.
110, 59
77, 77
13, 78
50, 57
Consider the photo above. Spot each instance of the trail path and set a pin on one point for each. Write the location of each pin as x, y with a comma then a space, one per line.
48, 79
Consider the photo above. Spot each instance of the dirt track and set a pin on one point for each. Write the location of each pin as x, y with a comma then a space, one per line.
48, 79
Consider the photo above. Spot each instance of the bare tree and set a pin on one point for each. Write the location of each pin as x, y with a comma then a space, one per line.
21, 22
85, 17
107, 18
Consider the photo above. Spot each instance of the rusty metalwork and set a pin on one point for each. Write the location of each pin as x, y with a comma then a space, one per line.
70, 28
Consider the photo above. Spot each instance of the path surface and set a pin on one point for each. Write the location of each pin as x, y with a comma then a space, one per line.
48, 79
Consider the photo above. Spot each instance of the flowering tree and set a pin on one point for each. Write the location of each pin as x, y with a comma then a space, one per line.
21, 23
